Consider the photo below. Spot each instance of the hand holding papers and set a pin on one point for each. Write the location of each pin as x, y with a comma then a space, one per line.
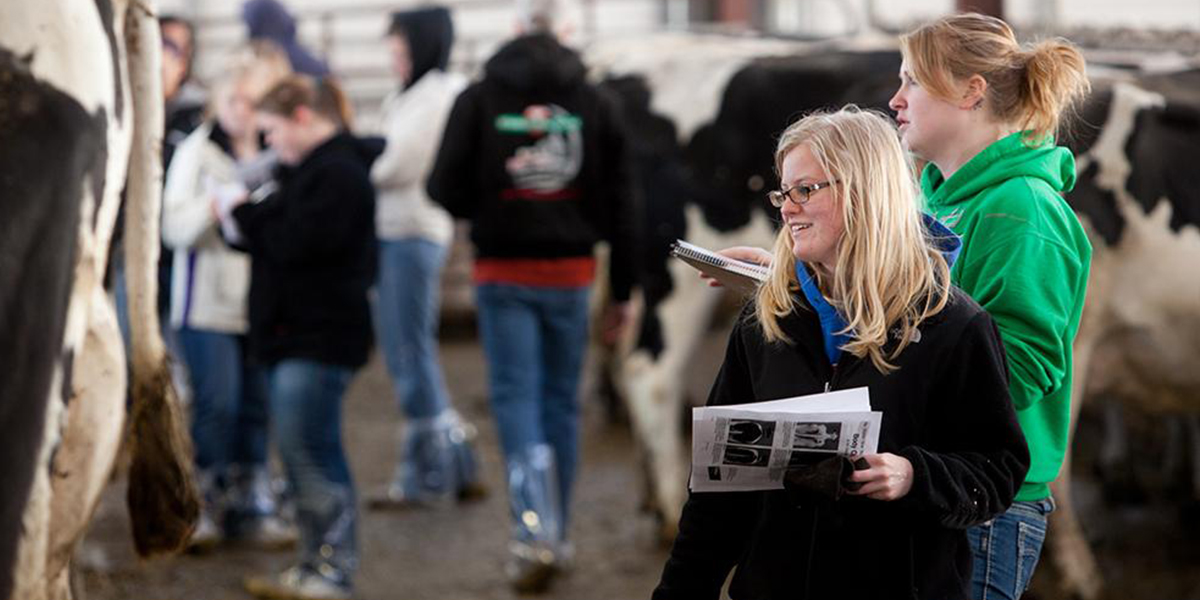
228, 196
734, 274
747, 447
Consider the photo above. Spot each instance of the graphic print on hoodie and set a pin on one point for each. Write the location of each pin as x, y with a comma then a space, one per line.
545, 168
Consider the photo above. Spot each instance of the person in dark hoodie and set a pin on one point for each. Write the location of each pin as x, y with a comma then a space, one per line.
270, 20
535, 158
859, 295
313, 250
437, 460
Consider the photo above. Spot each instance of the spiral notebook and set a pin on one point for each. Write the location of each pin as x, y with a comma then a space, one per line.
734, 274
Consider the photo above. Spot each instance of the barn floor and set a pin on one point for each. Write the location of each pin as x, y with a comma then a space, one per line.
456, 553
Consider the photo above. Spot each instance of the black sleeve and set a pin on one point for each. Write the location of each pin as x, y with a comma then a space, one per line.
715, 526
976, 457
618, 193
454, 182
319, 222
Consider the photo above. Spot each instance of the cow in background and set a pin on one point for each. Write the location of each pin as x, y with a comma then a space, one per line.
80, 120
1137, 195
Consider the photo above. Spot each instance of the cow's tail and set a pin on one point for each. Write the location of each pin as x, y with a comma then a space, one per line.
162, 495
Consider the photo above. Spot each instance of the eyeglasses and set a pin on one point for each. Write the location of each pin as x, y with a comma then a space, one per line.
800, 194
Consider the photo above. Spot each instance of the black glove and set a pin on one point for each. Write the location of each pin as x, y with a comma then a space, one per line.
827, 479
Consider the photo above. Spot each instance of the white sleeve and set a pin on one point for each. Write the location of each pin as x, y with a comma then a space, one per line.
187, 211
413, 135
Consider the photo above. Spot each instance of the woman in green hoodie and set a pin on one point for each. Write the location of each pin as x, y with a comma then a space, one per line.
982, 110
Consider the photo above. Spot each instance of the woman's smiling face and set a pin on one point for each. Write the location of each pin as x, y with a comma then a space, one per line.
817, 225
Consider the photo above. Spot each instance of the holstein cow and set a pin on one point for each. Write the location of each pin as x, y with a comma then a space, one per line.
1139, 196
80, 120
1141, 326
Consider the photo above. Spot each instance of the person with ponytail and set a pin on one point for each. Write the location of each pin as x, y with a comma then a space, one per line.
209, 285
982, 110
859, 295
313, 258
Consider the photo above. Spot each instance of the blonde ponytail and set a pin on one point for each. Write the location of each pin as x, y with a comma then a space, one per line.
1055, 82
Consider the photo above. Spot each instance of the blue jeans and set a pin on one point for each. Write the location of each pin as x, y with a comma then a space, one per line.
406, 319
535, 339
1006, 550
229, 404
306, 414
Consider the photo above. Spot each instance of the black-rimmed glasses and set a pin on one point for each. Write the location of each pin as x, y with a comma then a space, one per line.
799, 194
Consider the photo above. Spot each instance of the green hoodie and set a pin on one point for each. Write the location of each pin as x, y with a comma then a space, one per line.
1025, 259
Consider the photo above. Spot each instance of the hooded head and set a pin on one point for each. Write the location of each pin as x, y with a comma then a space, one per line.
270, 20
429, 34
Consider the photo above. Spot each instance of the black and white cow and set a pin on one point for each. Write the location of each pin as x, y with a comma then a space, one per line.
80, 120
1137, 194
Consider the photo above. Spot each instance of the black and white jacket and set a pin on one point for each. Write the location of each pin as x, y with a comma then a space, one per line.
946, 409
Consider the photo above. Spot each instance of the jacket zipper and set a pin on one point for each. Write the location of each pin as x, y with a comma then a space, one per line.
832, 376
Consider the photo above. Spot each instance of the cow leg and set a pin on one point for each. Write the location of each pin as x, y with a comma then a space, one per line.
1114, 465
653, 387
654, 392
604, 356
1076, 565
30, 568
91, 434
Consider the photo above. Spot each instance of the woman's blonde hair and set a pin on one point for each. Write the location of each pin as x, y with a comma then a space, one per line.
1028, 86
888, 273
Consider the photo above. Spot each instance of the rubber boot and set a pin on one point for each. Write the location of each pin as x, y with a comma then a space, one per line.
537, 519
466, 464
425, 472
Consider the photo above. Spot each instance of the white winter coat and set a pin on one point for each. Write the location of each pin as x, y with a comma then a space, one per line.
413, 122
209, 281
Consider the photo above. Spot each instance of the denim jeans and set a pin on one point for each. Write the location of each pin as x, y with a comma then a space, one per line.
306, 416
534, 339
1006, 550
406, 319
229, 404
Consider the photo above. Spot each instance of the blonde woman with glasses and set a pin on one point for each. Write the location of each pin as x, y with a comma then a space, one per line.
859, 295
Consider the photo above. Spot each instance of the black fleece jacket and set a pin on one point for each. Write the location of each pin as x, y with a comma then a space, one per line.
313, 252
946, 410
535, 158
